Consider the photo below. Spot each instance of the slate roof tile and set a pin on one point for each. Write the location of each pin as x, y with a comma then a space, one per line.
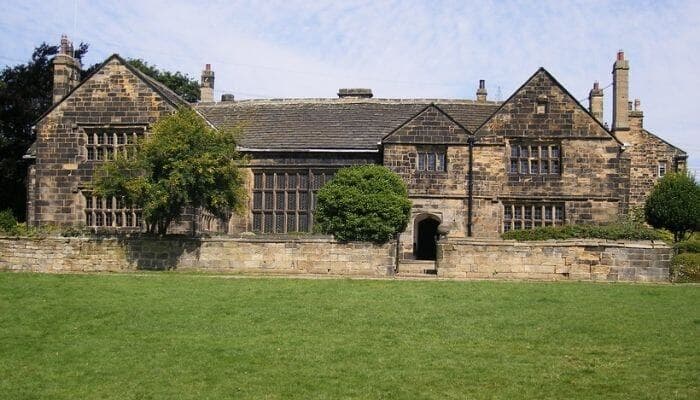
330, 123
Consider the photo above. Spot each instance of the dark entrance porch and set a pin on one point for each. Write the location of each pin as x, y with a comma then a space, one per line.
426, 238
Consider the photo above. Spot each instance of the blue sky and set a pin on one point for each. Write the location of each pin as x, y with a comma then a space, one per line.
425, 49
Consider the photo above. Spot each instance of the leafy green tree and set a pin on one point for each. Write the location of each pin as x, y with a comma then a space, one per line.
182, 162
674, 204
178, 82
363, 203
25, 93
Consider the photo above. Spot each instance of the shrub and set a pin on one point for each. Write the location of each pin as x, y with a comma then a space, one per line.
616, 231
363, 203
8, 223
674, 204
685, 267
688, 246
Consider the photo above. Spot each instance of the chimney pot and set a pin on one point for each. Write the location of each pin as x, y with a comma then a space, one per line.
481, 93
227, 97
620, 55
637, 105
595, 102
356, 93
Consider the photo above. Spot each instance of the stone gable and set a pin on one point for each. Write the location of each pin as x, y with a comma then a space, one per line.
114, 97
431, 126
562, 117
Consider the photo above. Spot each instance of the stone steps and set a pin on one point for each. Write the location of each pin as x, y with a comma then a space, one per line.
417, 268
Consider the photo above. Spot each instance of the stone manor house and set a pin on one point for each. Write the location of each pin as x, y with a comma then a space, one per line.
476, 167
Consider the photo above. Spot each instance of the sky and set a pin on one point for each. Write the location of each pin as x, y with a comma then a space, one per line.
399, 49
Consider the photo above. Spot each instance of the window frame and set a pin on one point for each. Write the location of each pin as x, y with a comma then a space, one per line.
532, 214
661, 172
432, 161
101, 143
110, 213
528, 159
292, 195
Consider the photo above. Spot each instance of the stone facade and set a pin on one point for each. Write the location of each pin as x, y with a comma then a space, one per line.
590, 182
597, 260
648, 154
316, 256
472, 167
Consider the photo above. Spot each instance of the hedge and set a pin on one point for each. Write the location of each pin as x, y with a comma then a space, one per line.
616, 231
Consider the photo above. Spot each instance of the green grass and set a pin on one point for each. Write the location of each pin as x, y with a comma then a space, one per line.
163, 336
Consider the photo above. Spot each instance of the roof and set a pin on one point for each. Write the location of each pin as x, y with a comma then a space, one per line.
286, 124
165, 92
680, 151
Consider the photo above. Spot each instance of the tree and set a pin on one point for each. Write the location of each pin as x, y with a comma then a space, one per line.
25, 93
363, 203
182, 162
179, 83
674, 204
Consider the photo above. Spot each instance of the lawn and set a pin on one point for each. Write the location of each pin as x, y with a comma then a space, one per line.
169, 335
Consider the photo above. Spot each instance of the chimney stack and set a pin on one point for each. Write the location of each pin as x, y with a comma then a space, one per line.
206, 87
636, 116
481, 92
595, 102
66, 70
621, 93
355, 93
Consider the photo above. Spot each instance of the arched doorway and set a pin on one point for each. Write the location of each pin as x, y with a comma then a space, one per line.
426, 237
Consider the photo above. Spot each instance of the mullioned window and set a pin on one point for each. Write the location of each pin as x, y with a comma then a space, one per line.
532, 215
531, 159
102, 144
284, 201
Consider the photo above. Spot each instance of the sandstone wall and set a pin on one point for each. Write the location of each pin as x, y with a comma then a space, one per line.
555, 260
645, 151
232, 255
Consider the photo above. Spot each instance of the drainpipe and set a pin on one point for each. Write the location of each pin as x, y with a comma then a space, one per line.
470, 186
397, 253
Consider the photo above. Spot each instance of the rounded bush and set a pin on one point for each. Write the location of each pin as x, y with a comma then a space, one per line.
363, 203
674, 204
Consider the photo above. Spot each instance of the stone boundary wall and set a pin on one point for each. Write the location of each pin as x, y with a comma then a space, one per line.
231, 255
590, 259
